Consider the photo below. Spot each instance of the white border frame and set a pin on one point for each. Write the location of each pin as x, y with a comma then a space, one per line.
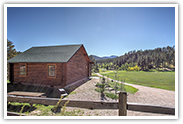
92, 5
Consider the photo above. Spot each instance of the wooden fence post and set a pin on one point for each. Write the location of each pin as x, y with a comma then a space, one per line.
122, 104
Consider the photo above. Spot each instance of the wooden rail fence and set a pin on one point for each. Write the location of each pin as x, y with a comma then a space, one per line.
122, 105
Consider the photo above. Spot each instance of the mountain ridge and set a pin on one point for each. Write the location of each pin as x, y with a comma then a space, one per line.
104, 57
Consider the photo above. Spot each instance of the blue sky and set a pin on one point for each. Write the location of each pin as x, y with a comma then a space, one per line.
104, 31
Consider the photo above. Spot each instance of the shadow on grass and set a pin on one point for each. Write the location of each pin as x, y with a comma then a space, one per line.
50, 92
17, 108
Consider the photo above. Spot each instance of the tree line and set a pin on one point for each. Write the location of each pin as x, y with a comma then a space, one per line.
11, 52
159, 57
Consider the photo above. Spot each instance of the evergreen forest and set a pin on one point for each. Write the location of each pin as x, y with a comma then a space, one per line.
140, 60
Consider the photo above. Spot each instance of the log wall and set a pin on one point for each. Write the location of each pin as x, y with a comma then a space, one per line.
37, 73
77, 67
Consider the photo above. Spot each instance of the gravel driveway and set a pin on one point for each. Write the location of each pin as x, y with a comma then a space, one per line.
148, 95
145, 95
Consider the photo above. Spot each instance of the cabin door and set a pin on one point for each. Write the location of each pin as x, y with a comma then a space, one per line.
11, 70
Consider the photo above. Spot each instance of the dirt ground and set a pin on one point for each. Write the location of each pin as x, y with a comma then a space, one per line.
145, 95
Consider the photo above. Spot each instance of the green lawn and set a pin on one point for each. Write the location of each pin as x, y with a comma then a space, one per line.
40, 110
116, 86
162, 80
123, 87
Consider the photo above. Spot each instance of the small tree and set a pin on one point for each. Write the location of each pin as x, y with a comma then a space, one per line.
11, 52
107, 67
123, 86
102, 88
96, 69
103, 85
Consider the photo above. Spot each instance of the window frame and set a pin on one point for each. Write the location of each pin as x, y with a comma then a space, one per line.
22, 75
48, 71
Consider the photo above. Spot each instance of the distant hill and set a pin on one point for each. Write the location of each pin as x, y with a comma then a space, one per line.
112, 56
157, 58
105, 57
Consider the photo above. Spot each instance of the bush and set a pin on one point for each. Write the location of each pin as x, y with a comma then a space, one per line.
103, 85
130, 69
96, 70
98, 90
98, 85
135, 68
111, 95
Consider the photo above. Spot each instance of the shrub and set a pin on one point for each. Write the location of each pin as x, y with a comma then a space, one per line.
98, 90
130, 69
57, 107
22, 109
135, 68
103, 85
98, 85
111, 95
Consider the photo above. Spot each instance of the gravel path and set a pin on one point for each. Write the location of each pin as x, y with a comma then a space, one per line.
148, 95
145, 95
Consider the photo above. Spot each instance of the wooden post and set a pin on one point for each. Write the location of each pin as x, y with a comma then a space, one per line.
122, 104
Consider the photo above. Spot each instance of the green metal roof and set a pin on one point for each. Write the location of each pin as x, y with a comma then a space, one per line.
46, 54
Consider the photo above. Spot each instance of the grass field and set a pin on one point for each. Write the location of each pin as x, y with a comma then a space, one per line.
40, 110
162, 80
118, 87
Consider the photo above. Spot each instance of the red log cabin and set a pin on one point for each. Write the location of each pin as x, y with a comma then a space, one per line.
56, 66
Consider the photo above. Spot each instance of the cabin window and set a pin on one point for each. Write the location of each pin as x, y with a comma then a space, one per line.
22, 69
51, 70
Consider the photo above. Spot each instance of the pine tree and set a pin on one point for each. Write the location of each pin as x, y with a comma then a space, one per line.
11, 52
157, 61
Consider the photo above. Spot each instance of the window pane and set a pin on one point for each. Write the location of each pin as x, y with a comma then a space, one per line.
22, 69
51, 70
